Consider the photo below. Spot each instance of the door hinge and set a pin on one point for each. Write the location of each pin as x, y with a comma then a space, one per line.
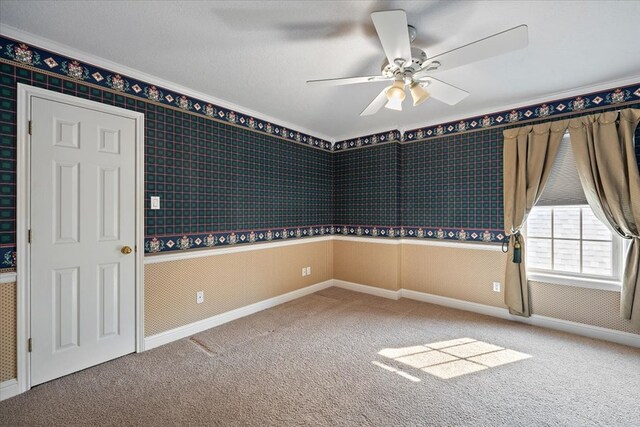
29, 236
30, 127
29, 345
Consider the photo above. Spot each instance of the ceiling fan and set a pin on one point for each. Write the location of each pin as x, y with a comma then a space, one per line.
409, 66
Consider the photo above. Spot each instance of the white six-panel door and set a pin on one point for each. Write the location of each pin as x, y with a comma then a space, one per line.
82, 292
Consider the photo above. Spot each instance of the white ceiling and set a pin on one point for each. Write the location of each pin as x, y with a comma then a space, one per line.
258, 54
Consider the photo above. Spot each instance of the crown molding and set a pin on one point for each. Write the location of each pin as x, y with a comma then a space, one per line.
65, 50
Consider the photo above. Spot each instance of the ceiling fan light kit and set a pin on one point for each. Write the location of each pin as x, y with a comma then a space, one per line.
395, 95
410, 66
418, 93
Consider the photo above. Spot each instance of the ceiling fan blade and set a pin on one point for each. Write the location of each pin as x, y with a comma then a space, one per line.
393, 31
497, 44
377, 103
347, 80
444, 92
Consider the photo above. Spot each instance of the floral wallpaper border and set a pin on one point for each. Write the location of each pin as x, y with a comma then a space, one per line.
435, 233
376, 138
194, 241
7, 258
156, 244
609, 97
164, 244
25, 54
576, 104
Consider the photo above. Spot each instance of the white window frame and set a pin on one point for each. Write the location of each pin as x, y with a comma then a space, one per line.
612, 283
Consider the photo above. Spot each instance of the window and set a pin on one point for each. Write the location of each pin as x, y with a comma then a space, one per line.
566, 242
572, 241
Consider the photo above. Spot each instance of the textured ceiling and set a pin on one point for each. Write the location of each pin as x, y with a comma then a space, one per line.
258, 54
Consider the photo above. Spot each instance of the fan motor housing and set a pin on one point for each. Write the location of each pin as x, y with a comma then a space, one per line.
418, 57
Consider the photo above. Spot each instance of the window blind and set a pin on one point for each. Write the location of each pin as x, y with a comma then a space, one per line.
563, 186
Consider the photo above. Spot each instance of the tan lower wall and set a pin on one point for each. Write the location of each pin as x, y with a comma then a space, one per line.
229, 281
8, 332
372, 264
235, 280
466, 274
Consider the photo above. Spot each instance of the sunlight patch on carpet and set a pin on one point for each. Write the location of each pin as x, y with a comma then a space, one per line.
397, 371
449, 359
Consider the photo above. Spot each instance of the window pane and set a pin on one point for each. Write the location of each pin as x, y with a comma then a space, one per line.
592, 228
566, 255
566, 223
538, 253
596, 258
539, 222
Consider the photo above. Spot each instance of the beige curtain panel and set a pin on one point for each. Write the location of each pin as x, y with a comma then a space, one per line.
603, 147
528, 156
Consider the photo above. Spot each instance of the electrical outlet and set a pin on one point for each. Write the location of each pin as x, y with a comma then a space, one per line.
496, 286
304, 271
199, 297
308, 271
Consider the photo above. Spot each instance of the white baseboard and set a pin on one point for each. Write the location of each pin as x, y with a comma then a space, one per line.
217, 320
9, 389
597, 332
459, 304
619, 337
366, 289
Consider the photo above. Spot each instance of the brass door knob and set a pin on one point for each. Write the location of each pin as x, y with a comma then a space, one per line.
126, 250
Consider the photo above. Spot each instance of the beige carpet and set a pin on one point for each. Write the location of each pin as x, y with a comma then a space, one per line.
338, 358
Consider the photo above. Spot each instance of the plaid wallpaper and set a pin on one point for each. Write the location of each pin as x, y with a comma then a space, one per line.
226, 178
212, 177
7, 166
447, 187
366, 186
218, 183
453, 181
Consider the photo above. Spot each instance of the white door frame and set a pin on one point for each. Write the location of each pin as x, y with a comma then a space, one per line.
23, 215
